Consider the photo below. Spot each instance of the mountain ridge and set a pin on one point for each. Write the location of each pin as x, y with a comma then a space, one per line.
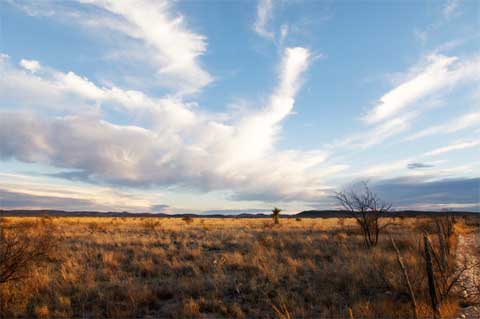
303, 214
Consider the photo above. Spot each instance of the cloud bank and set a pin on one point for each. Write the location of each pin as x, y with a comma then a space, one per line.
168, 142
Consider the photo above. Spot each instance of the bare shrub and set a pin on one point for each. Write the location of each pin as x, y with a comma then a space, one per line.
367, 208
22, 247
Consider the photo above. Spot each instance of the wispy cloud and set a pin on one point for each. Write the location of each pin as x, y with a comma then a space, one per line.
419, 165
462, 122
264, 14
437, 73
451, 9
153, 34
175, 48
453, 147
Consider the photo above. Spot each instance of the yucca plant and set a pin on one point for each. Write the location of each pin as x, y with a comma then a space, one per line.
275, 214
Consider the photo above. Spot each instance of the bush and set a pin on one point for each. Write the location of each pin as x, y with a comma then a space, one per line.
23, 246
188, 220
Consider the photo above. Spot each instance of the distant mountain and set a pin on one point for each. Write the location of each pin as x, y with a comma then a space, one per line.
304, 214
322, 214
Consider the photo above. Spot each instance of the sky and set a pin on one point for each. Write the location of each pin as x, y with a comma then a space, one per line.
238, 106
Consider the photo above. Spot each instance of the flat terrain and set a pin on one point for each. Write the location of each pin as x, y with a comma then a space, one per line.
221, 268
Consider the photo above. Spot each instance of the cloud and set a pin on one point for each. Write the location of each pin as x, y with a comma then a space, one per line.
153, 34
460, 123
419, 166
264, 14
26, 197
237, 211
451, 9
175, 48
19, 200
453, 147
166, 143
417, 193
49, 90
30, 65
417, 91
36, 190
161, 208
438, 73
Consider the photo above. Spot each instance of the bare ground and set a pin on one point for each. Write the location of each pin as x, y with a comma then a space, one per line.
468, 251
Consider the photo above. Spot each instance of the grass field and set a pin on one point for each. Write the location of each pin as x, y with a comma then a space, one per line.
219, 268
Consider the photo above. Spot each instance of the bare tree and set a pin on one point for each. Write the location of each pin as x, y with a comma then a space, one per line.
275, 214
367, 208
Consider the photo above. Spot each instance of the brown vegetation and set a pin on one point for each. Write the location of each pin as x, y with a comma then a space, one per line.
221, 268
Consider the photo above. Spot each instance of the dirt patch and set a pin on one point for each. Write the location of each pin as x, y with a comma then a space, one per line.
468, 249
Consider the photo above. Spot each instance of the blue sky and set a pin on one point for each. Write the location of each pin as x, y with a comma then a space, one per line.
199, 106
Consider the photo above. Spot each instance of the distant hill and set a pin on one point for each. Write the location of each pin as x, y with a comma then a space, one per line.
304, 214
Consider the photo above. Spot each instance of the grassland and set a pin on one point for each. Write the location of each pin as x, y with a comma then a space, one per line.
220, 268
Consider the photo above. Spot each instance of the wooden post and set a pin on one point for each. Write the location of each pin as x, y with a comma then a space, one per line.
431, 278
413, 302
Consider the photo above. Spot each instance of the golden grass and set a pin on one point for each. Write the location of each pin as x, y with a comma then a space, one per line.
209, 268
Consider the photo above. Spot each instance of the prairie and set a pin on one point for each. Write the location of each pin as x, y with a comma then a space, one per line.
222, 268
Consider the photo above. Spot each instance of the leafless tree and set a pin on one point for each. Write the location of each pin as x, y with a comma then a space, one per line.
367, 208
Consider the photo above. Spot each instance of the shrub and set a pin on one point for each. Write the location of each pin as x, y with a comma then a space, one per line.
367, 208
23, 247
188, 219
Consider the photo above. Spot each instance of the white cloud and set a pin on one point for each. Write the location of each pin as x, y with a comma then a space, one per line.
463, 122
284, 29
439, 73
382, 170
167, 142
152, 35
30, 65
40, 192
175, 48
264, 14
453, 147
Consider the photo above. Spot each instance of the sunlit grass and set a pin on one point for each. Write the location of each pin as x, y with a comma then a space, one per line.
240, 268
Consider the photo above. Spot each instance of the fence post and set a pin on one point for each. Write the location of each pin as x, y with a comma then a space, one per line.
413, 302
431, 279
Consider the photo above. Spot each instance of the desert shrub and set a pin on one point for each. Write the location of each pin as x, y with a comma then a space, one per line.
22, 247
367, 208
188, 220
150, 225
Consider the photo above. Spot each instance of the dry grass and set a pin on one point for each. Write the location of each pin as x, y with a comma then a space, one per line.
211, 268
